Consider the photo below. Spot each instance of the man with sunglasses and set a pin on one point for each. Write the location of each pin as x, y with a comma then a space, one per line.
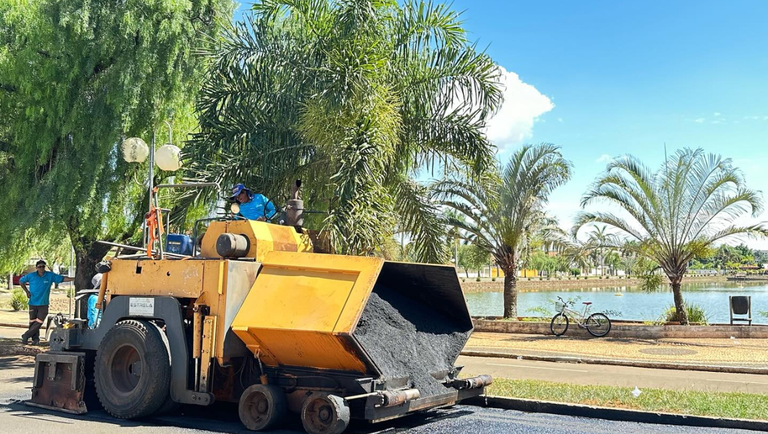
38, 292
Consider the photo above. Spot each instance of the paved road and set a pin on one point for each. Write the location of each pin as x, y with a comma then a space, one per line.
16, 375
15, 417
578, 373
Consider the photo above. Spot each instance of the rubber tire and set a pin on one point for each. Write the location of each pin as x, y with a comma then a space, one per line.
340, 415
153, 387
597, 335
274, 414
552, 324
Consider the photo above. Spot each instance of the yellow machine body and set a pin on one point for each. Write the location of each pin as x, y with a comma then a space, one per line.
288, 306
303, 308
263, 238
209, 280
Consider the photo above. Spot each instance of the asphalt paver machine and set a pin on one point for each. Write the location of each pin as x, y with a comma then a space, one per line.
259, 319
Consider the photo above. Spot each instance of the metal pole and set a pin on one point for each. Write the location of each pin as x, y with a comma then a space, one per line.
151, 169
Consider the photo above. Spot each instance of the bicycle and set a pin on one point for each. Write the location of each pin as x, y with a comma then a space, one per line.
597, 324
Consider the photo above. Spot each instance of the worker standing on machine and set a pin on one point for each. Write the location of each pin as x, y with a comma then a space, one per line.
38, 292
253, 206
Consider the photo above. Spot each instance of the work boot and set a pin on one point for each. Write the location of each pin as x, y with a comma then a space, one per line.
36, 342
24, 340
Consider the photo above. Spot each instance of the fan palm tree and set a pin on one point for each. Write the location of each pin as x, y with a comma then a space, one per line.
354, 97
504, 210
676, 212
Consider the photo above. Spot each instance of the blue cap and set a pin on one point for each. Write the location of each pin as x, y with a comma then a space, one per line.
237, 189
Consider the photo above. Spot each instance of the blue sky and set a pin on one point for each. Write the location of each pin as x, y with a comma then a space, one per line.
606, 78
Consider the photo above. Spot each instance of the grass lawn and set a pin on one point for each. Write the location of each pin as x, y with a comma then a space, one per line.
718, 404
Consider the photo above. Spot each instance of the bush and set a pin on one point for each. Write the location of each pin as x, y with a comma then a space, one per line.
493, 279
477, 280
696, 314
19, 300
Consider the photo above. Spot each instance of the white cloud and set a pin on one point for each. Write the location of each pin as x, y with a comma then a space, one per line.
716, 114
604, 158
699, 120
560, 120
523, 103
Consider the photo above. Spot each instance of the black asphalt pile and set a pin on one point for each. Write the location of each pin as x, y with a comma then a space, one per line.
405, 338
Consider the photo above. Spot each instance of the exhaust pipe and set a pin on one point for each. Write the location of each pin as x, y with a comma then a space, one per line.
393, 398
472, 383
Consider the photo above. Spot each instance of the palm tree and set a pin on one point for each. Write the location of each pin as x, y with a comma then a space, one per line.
600, 239
354, 97
504, 210
676, 212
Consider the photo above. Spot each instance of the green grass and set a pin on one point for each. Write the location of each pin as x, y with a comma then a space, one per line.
717, 404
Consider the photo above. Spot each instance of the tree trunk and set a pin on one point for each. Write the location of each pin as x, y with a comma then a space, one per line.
88, 253
682, 314
510, 292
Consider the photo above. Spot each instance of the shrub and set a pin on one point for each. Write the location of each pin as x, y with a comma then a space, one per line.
696, 314
19, 300
493, 279
477, 279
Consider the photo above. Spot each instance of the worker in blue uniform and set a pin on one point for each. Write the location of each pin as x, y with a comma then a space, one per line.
253, 206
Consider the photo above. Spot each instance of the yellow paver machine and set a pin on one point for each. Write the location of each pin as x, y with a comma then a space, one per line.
257, 318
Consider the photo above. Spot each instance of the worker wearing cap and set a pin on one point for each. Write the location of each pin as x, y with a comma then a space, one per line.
253, 206
38, 292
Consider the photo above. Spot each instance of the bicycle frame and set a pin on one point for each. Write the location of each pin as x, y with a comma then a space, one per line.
580, 317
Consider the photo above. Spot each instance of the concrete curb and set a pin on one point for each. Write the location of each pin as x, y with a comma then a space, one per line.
23, 326
615, 362
616, 414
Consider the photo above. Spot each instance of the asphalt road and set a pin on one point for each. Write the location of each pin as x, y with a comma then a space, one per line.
15, 417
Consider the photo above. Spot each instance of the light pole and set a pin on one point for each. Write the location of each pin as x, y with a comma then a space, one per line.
167, 158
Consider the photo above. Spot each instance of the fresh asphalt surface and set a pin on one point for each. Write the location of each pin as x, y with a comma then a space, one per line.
16, 376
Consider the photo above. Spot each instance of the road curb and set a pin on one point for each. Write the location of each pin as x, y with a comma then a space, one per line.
23, 326
617, 362
533, 406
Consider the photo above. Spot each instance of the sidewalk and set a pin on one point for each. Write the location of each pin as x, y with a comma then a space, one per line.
742, 353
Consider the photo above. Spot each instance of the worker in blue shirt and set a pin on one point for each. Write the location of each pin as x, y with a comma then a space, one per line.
253, 206
38, 292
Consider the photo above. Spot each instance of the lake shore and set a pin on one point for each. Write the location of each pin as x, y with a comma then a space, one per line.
564, 283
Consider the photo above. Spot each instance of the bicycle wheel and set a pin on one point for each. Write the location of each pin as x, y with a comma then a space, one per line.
598, 325
559, 324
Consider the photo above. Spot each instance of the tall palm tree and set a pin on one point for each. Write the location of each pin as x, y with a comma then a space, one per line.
504, 210
676, 212
354, 97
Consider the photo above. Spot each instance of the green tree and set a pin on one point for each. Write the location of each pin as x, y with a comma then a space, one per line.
353, 97
676, 212
504, 210
473, 257
76, 77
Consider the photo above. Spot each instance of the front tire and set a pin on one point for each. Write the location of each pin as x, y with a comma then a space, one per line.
598, 325
132, 370
559, 324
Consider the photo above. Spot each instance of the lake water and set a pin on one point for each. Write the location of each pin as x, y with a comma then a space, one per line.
627, 302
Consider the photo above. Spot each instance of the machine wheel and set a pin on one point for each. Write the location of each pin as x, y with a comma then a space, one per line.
322, 413
559, 324
132, 370
262, 407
